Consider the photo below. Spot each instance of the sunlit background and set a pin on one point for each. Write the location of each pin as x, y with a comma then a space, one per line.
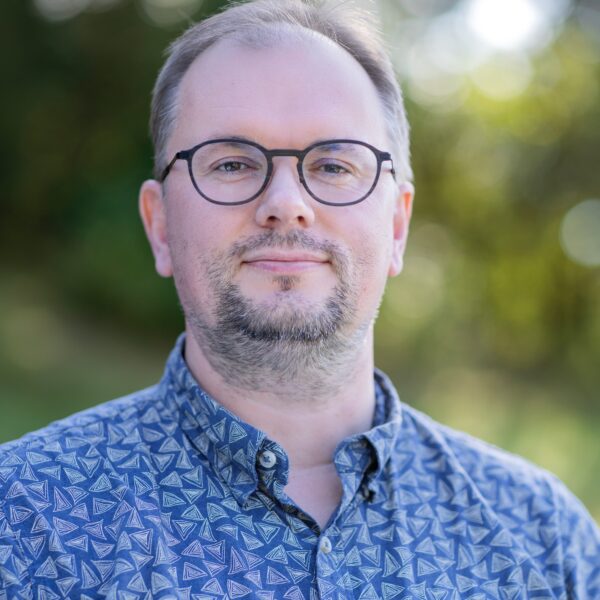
494, 326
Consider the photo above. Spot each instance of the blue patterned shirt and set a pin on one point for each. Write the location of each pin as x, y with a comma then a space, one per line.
165, 494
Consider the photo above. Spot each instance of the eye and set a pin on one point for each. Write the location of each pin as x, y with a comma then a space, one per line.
232, 166
333, 168
330, 167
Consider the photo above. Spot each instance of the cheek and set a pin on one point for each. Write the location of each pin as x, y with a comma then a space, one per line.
186, 244
190, 227
200, 234
373, 256
374, 237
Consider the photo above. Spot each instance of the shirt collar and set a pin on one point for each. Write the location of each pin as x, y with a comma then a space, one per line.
364, 456
234, 448
228, 444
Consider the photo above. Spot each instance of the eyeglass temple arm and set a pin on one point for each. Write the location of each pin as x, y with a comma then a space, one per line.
387, 156
167, 170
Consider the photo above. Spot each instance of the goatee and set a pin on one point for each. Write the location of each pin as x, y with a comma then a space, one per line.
255, 346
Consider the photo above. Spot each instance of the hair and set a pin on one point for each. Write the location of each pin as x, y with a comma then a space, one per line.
263, 22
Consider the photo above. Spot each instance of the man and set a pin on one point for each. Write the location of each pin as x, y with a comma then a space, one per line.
272, 460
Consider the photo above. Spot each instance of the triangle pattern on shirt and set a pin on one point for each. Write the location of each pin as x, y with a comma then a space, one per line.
162, 492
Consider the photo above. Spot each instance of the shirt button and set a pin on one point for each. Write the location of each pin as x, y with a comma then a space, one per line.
325, 545
267, 459
368, 494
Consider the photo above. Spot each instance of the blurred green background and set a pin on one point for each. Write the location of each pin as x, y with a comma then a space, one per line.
494, 326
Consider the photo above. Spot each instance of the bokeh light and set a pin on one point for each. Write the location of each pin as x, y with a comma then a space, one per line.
503, 77
440, 50
514, 24
169, 12
580, 233
58, 10
505, 25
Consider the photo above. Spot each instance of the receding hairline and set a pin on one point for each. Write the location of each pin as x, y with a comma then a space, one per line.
268, 36
265, 35
263, 23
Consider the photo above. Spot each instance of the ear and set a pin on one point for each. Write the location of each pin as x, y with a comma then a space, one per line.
154, 217
402, 214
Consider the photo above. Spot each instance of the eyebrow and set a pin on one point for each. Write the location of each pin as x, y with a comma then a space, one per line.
230, 136
232, 142
331, 146
335, 148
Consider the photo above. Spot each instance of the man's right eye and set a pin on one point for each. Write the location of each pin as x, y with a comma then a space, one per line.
232, 166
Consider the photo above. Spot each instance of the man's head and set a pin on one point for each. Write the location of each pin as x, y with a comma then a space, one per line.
264, 23
283, 284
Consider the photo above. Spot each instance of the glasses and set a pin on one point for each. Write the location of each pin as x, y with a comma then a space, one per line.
232, 171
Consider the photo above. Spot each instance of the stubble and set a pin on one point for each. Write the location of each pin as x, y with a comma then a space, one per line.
302, 350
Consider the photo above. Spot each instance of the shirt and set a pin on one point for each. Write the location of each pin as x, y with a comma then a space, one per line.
166, 494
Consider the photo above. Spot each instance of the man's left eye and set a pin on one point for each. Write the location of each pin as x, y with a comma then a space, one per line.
232, 166
333, 169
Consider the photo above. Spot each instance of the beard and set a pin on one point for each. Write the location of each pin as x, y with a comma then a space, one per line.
288, 341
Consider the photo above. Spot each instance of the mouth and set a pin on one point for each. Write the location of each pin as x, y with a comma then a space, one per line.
285, 262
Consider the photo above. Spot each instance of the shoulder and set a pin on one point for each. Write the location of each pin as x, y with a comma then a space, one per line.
507, 482
63, 447
530, 503
62, 486
483, 463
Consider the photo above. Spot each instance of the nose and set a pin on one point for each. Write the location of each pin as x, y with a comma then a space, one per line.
285, 204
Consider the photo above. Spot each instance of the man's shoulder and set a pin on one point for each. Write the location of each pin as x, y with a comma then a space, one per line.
492, 501
75, 483
109, 421
480, 461
515, 489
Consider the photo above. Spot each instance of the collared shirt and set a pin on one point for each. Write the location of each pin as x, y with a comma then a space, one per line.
166, 494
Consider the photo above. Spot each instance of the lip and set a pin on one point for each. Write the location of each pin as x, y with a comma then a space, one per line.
285, 262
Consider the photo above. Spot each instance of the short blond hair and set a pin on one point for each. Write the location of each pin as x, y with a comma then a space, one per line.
264, 22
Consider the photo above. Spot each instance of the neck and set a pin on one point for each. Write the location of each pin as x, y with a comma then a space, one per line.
308, 414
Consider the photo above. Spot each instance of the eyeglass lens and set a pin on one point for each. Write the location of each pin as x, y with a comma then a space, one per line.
231, 172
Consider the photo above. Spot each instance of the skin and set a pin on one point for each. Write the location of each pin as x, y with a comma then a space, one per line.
304, 89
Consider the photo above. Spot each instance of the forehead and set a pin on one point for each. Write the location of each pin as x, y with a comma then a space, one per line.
291, 91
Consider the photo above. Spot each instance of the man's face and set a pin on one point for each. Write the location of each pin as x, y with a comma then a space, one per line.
283, 266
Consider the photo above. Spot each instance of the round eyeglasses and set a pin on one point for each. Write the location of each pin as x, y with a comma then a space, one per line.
232, 171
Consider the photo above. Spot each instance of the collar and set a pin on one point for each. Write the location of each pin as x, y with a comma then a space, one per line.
245, 458
365, 455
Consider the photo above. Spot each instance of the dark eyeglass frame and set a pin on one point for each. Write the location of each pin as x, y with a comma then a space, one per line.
188, 155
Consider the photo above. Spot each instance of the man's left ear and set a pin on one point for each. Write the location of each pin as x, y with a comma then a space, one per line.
402, 214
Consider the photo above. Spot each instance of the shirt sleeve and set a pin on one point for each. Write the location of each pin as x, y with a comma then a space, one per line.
15, 581
580, 537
